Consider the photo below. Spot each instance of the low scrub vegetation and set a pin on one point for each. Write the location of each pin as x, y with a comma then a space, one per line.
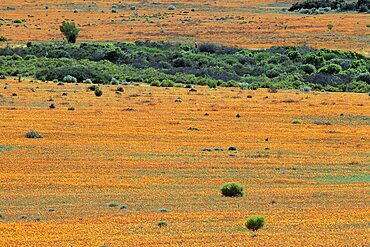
313, 7
33, 135
166, 64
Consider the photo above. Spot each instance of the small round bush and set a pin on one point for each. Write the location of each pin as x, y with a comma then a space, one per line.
255, 222
93, 87
232, 190
120, 89
33, 134
162, 223
171, 7
296, 121
69, 78
98, 92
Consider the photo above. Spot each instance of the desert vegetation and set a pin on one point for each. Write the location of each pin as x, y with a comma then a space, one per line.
167, 65
224, 123
322, 6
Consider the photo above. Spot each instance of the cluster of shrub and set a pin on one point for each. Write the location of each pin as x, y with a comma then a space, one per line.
313, 7
166, 64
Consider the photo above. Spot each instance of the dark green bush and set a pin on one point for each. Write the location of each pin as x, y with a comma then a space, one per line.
255, 223
339, 5
93, 87
3, 39
232, 190
314, 59
330, 69
98, 92
161, 224
308, 68
358, 87
33, 134
365, 77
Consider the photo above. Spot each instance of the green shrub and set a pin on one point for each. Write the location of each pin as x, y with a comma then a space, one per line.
308, 68
3, 39
272, 73
69, 78
255, 223
358, 87
120, 89
19, 20
70, 31
167, 83
87, 81
93, 87
212, 84
365, 77
296, 121
162, 224
98, 92
294, 55
33, 134
155, 83
314, 59
330, 69
232, 190
305, 89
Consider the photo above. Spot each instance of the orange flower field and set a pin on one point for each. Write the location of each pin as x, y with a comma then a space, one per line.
143, 150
